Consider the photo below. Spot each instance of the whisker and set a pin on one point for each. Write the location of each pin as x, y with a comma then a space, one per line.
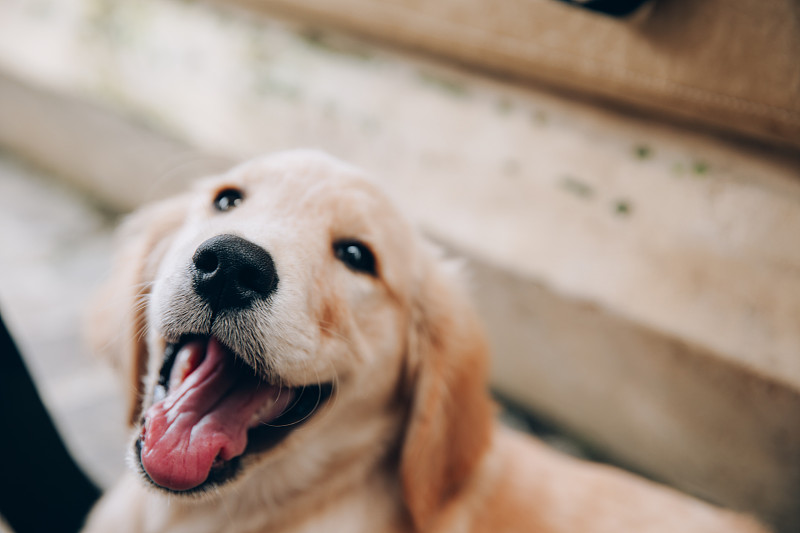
180, 170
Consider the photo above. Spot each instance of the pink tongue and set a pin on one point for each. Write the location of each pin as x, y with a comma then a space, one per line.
205, 417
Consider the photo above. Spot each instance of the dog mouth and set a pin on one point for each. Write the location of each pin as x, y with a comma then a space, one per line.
209, 410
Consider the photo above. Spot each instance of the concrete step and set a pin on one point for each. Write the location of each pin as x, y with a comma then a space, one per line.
640, 282
55, 246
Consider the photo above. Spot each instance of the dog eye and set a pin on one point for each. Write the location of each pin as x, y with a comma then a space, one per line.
227, 199
356, 255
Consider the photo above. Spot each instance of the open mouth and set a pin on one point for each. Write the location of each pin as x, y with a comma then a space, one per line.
209, 410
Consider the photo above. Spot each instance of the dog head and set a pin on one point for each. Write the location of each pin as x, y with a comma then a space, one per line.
282, 325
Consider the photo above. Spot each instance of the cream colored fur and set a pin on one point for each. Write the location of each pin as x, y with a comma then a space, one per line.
408, 441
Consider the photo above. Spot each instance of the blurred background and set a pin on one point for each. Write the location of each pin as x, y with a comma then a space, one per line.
624, 184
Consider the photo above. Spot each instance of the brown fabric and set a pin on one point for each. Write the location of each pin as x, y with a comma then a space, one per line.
733, 64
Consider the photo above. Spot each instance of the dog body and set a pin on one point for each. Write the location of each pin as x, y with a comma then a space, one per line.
521, 487
299, 360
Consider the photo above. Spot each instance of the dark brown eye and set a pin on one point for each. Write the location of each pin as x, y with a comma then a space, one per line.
356, 255
228, 198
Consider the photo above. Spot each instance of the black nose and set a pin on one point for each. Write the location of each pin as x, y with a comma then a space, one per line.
232, 273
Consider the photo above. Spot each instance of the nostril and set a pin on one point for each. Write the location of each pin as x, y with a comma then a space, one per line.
206, 261
253, 279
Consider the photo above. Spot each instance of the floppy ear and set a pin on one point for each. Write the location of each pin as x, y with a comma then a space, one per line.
116, 320
449, 426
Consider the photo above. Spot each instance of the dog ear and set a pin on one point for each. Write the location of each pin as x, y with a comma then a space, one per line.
116, 320
449, 426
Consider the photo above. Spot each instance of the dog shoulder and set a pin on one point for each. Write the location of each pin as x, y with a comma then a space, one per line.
120, 509
526, 486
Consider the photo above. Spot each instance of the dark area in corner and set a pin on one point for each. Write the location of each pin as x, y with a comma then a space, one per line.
42, 489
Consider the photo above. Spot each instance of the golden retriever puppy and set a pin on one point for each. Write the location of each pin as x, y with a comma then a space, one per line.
300, 360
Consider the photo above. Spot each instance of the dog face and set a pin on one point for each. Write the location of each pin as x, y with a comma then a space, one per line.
283, 328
